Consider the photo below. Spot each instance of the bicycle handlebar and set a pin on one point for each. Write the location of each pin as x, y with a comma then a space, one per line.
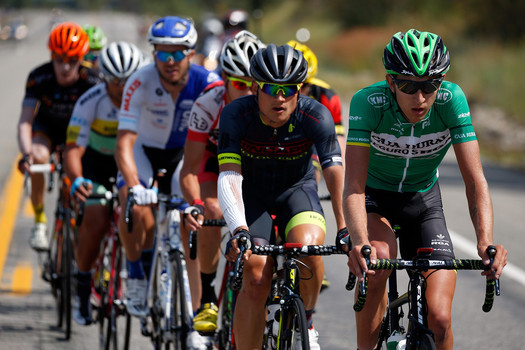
423, 264
193, 234
108, 195
288, 249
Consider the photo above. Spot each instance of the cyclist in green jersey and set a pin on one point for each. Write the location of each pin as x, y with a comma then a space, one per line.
399, 131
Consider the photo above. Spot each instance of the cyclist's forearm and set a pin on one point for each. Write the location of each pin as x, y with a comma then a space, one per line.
24, 138
124, 157
190, 187
355, 217
334, 177
73, 161
481, 211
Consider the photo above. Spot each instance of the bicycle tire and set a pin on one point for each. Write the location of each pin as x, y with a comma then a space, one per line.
225, 333
293, 326
179, 324
155, 311
54, 258
116, 310
425, 341
66, 277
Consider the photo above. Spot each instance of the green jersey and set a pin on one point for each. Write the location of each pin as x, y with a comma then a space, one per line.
404, 157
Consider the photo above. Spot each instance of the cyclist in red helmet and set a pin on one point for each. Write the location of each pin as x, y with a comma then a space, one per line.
51, 92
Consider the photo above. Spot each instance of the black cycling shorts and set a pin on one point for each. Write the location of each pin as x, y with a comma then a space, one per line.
264, 210
420, 218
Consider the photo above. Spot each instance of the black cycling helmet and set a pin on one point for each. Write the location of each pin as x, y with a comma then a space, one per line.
278, 65
415, 53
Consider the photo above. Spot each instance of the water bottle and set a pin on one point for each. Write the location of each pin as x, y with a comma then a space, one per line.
396, 341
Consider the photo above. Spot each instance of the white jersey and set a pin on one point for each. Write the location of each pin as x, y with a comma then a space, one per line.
149, 110
94, 121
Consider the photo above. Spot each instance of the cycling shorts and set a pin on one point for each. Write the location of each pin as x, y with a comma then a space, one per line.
298, 204
55, 134
420, 218
209, 168
149, 160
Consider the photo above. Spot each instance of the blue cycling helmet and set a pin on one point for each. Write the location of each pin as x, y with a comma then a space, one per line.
172, 30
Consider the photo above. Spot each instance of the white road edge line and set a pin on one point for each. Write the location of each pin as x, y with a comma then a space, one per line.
466, 246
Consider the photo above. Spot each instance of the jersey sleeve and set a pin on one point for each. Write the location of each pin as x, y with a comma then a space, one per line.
131, 103
360, 119
325, 138
32, 94
455, 112
229, 148
205, 114
82, 117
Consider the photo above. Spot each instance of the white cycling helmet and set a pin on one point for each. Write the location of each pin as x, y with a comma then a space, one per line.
172, 30
120, 59
237, 52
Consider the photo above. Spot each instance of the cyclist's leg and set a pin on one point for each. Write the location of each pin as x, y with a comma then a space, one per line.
440, 291
208, 252
41, 151
250, 312
368, 320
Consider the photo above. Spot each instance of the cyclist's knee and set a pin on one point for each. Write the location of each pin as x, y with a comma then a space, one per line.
213, 209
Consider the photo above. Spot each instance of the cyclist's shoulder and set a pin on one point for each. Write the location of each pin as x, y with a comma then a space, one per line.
212, 97
201, 77
311, 109
376, 95
43, 73
92, 96
242, 108
450, 93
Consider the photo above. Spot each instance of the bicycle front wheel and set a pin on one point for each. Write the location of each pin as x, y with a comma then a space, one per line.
66, 272
293, 329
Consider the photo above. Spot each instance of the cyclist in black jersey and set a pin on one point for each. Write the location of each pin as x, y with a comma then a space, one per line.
399, 131
265, 146
51, 92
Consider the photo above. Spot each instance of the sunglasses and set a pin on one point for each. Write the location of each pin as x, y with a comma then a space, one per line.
411, 87
64, 59
176, 56
91, 57
273, 89
115, 80
240, 84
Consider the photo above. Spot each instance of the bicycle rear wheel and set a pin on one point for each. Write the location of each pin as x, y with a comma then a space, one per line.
293, 330
227, 303
178, 319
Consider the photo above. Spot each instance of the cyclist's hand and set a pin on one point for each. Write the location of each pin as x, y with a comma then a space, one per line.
24, 163
342, 239
357, 262
500, 260
144, 196
232, 247
194, 215
81, 188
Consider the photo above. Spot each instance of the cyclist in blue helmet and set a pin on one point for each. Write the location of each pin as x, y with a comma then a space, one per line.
153, 123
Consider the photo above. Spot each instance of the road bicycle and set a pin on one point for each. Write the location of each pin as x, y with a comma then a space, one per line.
417, 335
58, 263
108, 283
291, 331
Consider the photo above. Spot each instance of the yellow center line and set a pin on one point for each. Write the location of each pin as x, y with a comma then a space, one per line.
22, 279
9, 206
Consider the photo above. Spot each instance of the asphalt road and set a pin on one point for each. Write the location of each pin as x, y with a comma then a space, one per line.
27, 312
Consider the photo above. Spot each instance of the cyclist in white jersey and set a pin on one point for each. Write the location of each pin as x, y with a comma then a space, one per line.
200, 170
153, 123
399, 131
90, 163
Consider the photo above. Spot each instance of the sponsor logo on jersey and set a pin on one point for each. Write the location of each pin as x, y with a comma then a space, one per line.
464, 135
443, 96
198, 123
212, 77
129, 92
464, 115
377, 99
158, 91
407, 146
355, 118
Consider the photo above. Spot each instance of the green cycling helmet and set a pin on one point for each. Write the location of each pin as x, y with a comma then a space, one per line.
415, 53
97, 38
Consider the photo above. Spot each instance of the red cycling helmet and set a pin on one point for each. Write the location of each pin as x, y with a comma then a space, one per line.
68, 39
